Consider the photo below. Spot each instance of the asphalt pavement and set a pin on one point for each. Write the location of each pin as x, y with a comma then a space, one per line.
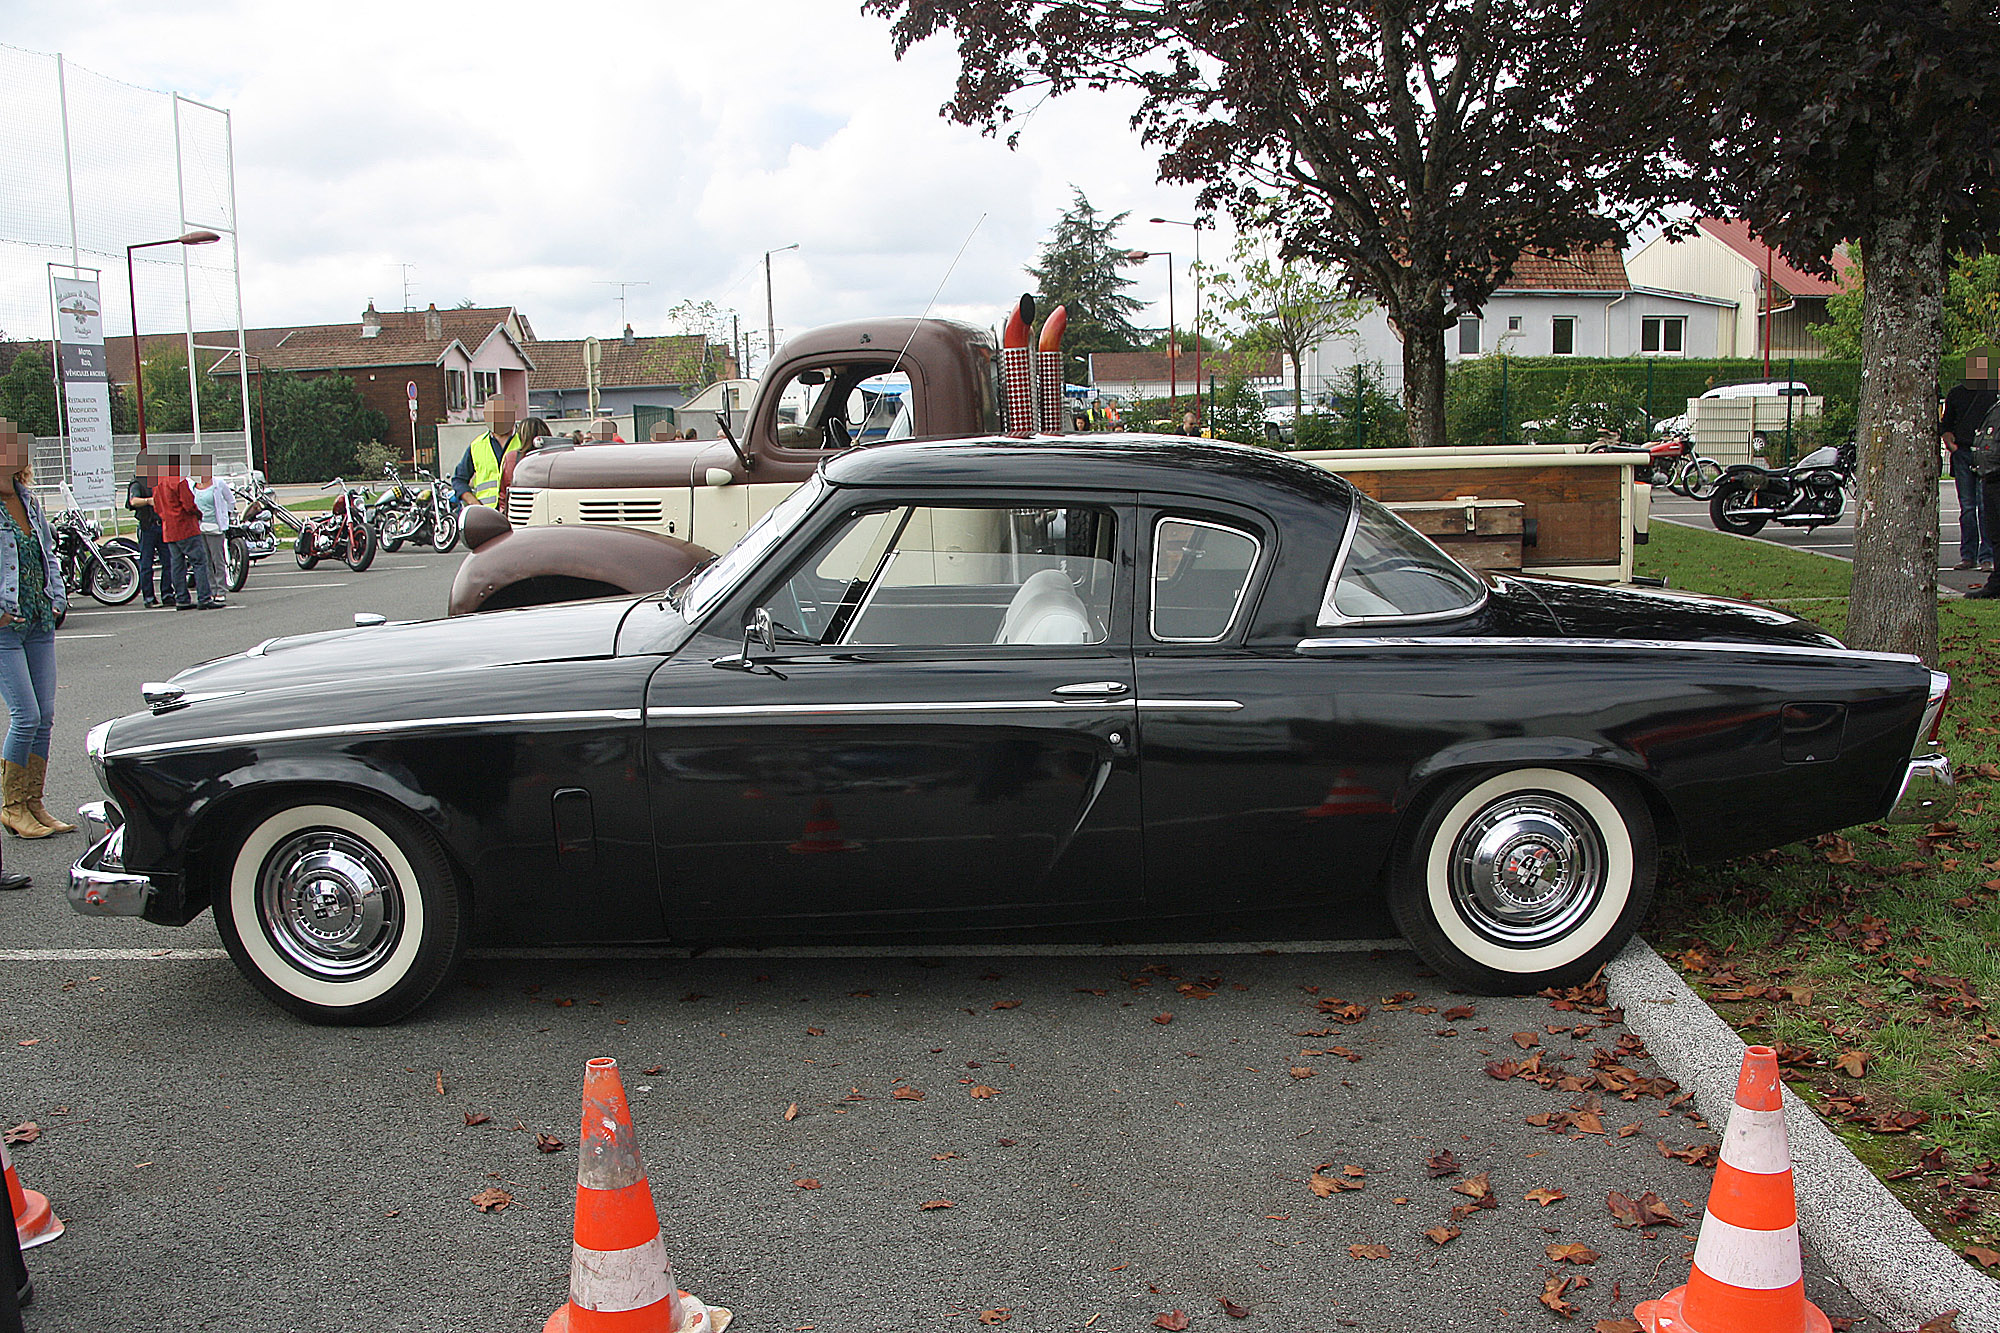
1045, 1139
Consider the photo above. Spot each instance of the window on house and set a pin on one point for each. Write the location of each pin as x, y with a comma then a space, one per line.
1562, 338
454, 390
1468, 335
485, 384
1513, 323
1663, 335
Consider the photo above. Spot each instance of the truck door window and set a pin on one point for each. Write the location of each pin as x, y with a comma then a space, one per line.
843, 404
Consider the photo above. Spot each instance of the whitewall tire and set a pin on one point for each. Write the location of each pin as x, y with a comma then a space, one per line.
1526, 878
341, 913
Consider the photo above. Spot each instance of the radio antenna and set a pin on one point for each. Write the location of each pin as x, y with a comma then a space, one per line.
934, 295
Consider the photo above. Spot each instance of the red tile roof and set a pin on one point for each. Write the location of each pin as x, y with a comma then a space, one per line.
649, 362
1591, 269
1788, 278
403, 340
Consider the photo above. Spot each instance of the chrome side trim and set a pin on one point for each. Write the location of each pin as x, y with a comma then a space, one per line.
258, 650
1643, 645
1242, 592
376, 729
699, 712
1331, 614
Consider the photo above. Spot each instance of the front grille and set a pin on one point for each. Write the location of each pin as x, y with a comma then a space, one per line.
632, 512
520, 505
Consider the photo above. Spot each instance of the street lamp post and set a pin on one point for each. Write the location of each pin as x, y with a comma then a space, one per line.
1173, 348
132, 291
770, 316
1195, 227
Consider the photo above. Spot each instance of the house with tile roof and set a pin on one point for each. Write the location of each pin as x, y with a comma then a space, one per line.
631, 372
1725, 261
1134, 375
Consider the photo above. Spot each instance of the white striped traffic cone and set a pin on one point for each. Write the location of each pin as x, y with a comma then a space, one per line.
619, 1277
1746, 1276
34, 1217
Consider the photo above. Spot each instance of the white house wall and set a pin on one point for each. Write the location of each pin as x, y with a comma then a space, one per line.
1705, 266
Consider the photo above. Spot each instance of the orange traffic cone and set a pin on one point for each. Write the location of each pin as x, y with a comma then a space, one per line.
34, 1218
822, 833
619, 1277
1746, 1276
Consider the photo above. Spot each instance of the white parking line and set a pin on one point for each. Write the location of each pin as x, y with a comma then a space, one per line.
853, 951
86, 636
291, 587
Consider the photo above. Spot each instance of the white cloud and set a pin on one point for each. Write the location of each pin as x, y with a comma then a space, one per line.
522, 153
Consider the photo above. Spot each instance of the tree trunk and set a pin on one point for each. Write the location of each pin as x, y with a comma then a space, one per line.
1423, 381
1894, 604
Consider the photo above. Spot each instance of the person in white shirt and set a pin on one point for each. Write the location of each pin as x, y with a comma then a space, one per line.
217, 503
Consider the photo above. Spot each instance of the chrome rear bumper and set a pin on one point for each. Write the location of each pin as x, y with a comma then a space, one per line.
99, 884
1928, 793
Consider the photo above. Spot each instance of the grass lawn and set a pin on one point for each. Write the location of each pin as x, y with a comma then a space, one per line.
1867, 958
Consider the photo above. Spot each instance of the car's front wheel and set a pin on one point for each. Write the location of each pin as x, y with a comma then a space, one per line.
1526, 878
342, 913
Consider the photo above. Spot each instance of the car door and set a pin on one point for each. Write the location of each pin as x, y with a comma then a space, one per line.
939, 732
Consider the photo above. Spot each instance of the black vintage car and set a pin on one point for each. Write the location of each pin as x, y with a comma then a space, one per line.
965, 689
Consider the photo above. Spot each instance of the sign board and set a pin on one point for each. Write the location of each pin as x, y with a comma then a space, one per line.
86, 389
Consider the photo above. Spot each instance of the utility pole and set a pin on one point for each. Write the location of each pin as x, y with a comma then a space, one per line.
770, 318
621, 286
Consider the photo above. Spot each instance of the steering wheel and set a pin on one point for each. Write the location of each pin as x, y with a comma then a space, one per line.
837, 434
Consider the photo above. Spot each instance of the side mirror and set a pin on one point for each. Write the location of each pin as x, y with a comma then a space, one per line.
762, 630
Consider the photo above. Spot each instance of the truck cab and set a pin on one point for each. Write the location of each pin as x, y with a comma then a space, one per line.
594, 520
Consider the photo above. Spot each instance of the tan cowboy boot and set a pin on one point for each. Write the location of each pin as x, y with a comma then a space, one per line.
14, 812
38, 776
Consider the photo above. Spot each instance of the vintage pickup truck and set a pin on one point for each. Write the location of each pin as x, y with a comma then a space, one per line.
595, 520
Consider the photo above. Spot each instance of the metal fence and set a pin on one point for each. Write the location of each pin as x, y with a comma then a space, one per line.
229, 448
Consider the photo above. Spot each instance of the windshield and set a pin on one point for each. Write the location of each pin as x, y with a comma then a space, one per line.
1391, 571
712, 583
1277, 397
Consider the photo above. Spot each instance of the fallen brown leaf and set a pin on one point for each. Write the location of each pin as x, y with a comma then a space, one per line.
791, 1112
1173, 1321
999, 1316
1162, 1018
476, 1118
1572, 1253
1981, 1255
1360, 1251
982, 1091
1441, 1234
1442, 1164
1526, 1039
907, 1095
1474, 1187
25, 1132
1006, 1004
1618, 1326
492, 1200
1232, 1309
1944, 1323
440, 1083
932, 1205
1302, 1071
807, 1184
1853, 1063
1552, 1296
1544, 1196
548, 1143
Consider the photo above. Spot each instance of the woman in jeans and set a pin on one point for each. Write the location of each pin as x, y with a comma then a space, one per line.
31, 597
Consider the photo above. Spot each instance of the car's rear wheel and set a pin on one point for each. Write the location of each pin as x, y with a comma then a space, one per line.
1525, 878
342, 913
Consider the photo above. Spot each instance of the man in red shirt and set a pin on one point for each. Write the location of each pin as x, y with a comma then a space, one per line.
180, 533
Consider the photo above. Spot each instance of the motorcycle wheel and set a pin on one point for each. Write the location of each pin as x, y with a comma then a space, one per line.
1702, 477
360, 546
236, 555
112, 579
1722, 506
446, 536
305, 551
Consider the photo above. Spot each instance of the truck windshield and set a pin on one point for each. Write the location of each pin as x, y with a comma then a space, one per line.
712, 583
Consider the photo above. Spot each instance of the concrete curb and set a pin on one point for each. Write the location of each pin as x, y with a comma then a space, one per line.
1880, 1253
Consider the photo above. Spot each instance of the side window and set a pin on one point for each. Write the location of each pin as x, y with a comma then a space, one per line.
1200, 573
944, 576
839, 405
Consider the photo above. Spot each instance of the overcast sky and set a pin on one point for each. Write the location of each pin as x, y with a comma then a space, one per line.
530, 154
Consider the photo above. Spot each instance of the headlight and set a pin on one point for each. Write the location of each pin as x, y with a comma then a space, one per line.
94, 742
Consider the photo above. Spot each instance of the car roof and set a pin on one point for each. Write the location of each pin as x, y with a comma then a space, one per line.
1093, 462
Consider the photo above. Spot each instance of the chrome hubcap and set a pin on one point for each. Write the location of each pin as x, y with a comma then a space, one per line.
330, 904
1525, 870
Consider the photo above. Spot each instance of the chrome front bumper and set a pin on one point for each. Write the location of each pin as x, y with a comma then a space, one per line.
1929, 792
99, 884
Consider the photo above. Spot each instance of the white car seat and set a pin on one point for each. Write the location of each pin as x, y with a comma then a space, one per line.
1045, 610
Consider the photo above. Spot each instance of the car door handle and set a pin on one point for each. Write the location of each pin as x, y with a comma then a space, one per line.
1095, 689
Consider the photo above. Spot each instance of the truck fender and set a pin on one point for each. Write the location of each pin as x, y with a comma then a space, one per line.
531, 566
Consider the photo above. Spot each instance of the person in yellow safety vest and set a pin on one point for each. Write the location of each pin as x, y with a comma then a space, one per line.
476, 479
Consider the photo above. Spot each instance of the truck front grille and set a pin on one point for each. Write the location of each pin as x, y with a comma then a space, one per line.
630, 512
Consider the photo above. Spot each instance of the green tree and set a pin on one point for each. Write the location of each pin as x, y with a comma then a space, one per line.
316, 422
1418, 150
1284, 307
168, 407
1971, 308
1820, 124
28, 394
700, 364
1079, 271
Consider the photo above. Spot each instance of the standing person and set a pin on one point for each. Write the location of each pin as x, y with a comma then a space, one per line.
180, 529
1965, 408
217, 503
476, 479
31, 597
139, 499
527, 439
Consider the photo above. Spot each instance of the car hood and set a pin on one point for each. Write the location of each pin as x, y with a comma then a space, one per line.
562, 632
609, 466
1594, 611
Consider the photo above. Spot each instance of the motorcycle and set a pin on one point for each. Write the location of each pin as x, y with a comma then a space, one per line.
341, 533
105, 571
426, 516
1671, 462
1810, 493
